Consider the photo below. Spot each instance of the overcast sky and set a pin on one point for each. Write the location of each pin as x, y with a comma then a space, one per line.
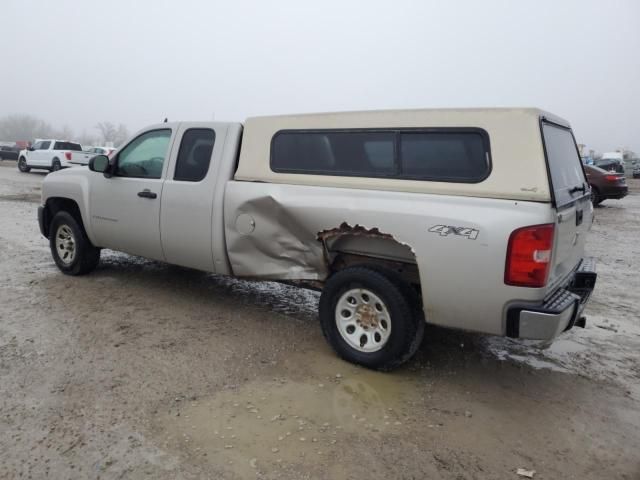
77, 62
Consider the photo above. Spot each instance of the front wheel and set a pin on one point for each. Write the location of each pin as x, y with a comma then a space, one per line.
71, 249
368, 318
22, 165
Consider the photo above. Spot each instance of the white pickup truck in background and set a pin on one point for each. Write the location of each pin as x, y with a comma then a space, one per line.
52, 155
92, 152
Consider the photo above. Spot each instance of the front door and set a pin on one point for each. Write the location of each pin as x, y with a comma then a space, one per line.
125, 208
40, 154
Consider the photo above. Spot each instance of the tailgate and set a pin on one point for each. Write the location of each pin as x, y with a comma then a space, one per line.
571, 198
81, 158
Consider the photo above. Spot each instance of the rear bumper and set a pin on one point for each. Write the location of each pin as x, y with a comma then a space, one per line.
560, 311
616, 192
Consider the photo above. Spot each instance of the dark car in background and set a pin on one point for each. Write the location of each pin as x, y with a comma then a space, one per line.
9, 152
605, 184
636, 170
609, 164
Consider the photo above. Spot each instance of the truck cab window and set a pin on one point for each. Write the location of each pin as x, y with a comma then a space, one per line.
44, 146
144, 156
195, 154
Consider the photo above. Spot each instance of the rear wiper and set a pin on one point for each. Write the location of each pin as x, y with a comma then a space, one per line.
582, 188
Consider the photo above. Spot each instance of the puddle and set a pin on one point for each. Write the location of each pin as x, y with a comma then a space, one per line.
265, 427
21, 197
566, 347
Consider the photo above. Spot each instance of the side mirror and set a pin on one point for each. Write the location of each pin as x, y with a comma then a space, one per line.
99, 163
31, 149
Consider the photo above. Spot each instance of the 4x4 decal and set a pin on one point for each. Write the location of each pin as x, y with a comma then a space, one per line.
444, 230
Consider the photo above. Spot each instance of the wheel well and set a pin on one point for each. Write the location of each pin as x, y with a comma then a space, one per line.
58, 204
348, 246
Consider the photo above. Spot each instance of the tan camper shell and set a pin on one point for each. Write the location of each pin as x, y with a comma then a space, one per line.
466, 218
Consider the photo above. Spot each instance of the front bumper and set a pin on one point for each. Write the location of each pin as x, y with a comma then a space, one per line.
560, 311
42, 223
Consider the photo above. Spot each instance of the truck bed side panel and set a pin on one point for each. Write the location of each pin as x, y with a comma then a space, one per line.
272, 232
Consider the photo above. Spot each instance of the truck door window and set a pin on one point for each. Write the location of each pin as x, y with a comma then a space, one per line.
144, 156
194, 155
43, 146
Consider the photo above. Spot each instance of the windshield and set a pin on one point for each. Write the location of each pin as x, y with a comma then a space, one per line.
564, 163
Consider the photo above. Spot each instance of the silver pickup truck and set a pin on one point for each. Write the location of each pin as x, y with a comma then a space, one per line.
472, 218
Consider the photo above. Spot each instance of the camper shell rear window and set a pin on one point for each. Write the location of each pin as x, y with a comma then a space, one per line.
568, 181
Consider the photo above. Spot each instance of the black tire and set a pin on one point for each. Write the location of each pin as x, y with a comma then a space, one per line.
86, 256
407, 326
22, 165
596, 199
56, 165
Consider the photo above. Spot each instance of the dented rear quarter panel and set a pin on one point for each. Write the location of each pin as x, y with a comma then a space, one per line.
272, 232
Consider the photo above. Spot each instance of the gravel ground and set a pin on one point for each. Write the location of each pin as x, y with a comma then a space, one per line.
144, 370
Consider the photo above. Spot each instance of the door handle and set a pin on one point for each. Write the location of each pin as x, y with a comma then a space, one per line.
146, 193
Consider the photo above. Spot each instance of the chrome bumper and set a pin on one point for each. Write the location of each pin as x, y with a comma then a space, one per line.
559, 312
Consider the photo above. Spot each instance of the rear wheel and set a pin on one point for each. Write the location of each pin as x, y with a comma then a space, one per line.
55, 165
71, 249
368, 318
22, 165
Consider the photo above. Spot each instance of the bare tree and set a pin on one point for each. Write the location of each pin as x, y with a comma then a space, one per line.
23, 127
26, 127
107, 131
121, 135
87, 139
111, 133
64, 133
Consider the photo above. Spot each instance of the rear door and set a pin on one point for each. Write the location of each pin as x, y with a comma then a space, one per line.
572, 200
188, 196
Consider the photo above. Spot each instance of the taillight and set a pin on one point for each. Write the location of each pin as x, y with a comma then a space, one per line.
529, 256
68, 155
612, 178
